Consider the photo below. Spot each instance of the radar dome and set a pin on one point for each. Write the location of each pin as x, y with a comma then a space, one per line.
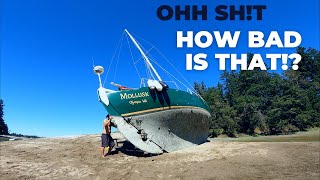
98, 70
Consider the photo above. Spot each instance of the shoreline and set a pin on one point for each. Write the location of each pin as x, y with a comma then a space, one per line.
78, 158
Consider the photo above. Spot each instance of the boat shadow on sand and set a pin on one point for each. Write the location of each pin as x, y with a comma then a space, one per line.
129, 149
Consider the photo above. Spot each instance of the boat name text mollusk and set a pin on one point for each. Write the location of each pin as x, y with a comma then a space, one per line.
134, 95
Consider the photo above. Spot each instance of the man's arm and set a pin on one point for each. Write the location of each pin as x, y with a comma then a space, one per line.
106, 122
109, 121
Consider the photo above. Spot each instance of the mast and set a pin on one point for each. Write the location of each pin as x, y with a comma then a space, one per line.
143, 55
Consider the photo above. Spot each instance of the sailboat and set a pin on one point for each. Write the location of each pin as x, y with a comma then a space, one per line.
156, 118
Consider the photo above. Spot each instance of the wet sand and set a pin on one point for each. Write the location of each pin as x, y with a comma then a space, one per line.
78, 158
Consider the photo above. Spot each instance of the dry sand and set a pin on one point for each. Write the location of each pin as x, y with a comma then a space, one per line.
78, 158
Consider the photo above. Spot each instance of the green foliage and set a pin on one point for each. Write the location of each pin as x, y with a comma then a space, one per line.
3, 125
261, 102
25, 136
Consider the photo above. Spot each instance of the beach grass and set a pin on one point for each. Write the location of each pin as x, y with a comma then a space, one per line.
303, 136
4, 138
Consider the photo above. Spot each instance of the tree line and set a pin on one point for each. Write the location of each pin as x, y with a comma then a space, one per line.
3, 126
263, 102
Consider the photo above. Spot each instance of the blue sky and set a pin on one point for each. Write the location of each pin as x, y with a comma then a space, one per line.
47, 82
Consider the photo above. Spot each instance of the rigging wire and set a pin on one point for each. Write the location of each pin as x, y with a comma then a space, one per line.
132, 57
113, 58
154, 60
149, 71
115, 71
175, 68
169, 73
92, 61
190, 86
145, 54
142, 39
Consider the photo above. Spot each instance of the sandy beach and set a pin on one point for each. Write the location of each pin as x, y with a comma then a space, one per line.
78, 158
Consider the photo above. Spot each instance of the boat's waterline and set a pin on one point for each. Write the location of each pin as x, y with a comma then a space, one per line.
157, 109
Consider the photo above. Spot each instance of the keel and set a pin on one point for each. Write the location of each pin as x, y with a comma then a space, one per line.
131, 133
167, 130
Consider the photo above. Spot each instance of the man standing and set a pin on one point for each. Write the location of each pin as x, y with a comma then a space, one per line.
106, 139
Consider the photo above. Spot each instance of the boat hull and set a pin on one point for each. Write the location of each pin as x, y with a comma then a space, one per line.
171, 119
174, 129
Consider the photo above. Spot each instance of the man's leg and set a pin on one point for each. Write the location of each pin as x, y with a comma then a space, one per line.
104, 143
102, 152
110, 148
111, 144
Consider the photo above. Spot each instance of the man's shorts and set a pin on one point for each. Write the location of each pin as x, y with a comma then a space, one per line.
107, 140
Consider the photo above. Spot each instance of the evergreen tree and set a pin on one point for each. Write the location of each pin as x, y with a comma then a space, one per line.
3, 125
307, 80
261, 102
